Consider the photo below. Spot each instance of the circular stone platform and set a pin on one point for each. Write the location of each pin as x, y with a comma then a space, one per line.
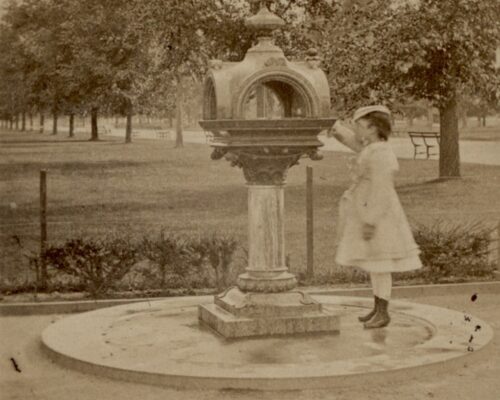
161, 342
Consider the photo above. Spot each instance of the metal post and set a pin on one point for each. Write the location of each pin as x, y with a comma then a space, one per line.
498, 247
309, 223
43, 226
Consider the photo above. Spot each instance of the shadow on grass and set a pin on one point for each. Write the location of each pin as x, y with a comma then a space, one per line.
67, 167
51, 141
425, 184
230, 200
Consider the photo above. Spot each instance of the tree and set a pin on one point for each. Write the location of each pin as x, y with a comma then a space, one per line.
178, 36
431, 49
38, 25
15, 66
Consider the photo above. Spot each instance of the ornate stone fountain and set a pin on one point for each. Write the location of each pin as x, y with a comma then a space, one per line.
265, 113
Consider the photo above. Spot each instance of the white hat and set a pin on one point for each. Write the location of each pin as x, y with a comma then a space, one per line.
361, 112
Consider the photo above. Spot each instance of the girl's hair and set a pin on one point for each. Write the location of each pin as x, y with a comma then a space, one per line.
381, 121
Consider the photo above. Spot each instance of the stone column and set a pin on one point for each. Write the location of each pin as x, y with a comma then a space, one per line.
263, 302
266, 271
265, 172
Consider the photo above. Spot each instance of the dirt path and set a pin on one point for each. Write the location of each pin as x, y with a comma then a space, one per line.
41, 379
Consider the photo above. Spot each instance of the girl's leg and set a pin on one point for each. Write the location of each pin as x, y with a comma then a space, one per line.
383, 284
375, 288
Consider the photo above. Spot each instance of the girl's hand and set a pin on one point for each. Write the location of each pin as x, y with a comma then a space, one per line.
337, 129
368, 231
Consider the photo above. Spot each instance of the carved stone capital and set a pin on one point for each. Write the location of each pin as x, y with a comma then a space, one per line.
264, 166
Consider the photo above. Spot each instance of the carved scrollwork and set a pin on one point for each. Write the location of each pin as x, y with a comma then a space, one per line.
313, 60
275, 62
266, 166
315, 155
218, 153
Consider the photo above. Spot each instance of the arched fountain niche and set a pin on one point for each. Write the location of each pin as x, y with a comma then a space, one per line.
275, 97
209, 100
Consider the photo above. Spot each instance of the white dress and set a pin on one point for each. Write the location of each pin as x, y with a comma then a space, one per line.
372, 199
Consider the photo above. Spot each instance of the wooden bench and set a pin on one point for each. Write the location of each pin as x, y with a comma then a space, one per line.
163, 134
429, 140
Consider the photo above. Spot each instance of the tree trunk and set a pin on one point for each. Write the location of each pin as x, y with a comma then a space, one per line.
17, 122
449, 152
94, 134
42, 122
31, 121
54, 122
179, 142
11, 127
484, 121
479, 121
128, 125
117, 122
23, 121
71, 125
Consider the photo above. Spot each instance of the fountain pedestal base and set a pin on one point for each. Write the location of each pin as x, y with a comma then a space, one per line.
235, 314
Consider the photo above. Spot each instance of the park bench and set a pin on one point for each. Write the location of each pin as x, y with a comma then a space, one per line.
429, 140
163, 134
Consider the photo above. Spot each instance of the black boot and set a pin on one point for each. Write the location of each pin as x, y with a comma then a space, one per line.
371, 314
381, 318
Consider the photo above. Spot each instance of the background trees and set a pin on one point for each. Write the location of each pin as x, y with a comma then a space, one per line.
431, 49
123, 57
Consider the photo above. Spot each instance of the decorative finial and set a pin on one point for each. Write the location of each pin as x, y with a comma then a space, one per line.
264, 22
313, 59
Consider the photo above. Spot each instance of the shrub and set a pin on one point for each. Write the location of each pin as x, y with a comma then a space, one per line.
170, 257
98, 264
453, 251
340, 275
218, 250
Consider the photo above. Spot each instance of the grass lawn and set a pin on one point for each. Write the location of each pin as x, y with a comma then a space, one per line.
108, 186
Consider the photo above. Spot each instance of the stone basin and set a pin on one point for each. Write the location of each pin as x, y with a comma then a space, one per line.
290, 132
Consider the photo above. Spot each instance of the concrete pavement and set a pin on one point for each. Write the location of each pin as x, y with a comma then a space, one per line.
41, 379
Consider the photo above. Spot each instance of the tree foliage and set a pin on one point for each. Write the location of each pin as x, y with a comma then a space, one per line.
379, 51
120, 56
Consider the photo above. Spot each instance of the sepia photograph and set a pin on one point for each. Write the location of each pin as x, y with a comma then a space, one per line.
250, 199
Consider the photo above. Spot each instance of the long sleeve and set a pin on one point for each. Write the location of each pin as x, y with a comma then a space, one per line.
381, 166
347, 137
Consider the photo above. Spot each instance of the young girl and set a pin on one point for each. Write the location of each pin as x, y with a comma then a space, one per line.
374, 233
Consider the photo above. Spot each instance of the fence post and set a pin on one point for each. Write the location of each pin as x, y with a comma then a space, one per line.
498, 250
309, 223
43, 226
